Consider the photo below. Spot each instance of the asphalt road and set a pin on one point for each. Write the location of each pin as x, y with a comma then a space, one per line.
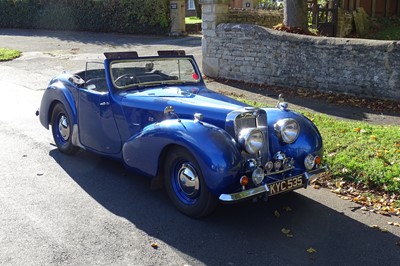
86, 210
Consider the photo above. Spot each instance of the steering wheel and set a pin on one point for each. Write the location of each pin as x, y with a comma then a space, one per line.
126, 79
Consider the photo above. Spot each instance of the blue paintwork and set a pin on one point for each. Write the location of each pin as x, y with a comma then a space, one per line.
58, 91
215, 150
309, 141
131, 126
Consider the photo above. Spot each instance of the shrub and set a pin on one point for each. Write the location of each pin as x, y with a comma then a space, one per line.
124, 16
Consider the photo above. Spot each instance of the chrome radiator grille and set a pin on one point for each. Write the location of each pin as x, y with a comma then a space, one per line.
254, 118
244, 120
248, 117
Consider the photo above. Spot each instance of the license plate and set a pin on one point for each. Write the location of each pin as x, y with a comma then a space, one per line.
285, 185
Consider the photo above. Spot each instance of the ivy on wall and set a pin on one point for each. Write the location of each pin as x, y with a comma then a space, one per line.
124, 16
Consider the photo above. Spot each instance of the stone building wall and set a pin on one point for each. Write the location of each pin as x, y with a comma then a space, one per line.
256, 54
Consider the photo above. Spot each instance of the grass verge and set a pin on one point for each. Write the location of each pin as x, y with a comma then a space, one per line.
8, 54
192, 20
367, 155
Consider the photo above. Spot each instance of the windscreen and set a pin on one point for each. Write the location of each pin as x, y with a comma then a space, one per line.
147, 72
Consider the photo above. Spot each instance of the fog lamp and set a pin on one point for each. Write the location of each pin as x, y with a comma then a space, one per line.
309, 162
268, 166
277, 165
257, 176
286, 163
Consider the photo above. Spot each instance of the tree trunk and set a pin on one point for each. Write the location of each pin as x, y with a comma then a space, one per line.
295, 14
197, 7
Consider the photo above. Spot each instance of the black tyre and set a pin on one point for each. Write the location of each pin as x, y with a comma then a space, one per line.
185, 184
61, 128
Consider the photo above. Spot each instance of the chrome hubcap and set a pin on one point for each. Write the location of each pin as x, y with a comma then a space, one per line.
188, 180
63, 127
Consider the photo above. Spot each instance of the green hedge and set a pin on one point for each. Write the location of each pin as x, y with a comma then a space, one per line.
125, 16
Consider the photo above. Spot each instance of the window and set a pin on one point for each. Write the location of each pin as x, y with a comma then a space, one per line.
191, 5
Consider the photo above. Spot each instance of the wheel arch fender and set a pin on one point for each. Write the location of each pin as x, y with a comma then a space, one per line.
214, 149
57, 93
309, 140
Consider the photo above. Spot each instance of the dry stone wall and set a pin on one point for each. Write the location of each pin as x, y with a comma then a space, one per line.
265, 18
260, 55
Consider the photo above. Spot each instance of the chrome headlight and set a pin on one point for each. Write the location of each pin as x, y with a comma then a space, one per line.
287, 130
251, 140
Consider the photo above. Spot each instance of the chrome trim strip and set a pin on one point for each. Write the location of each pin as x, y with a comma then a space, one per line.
252, 192
75, 137
244, 194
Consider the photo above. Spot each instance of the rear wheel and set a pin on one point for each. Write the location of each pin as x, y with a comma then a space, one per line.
61, 128
185, 184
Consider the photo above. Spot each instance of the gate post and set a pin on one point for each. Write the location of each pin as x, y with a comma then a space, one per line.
213, 13
177, 15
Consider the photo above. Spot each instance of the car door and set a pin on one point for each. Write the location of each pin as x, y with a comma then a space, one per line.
97, 128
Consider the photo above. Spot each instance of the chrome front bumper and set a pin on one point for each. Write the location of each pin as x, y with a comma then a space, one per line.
252, 192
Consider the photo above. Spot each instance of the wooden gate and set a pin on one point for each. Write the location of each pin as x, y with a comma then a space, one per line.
323, 18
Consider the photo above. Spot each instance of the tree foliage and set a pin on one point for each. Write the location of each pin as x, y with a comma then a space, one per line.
125, 16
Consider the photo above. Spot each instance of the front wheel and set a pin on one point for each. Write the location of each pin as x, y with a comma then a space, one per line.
61, 128
185, 184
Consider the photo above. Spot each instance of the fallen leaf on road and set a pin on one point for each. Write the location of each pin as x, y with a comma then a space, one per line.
277, 214
383, 230
394, 224
311, 250
287, 232
287, 208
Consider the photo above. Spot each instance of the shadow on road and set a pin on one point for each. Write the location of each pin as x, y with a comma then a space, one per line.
243, 234
113, 39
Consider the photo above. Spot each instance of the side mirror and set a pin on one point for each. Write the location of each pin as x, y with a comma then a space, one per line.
169, 110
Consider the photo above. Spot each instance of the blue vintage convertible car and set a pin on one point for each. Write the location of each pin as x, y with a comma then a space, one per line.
156, 115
